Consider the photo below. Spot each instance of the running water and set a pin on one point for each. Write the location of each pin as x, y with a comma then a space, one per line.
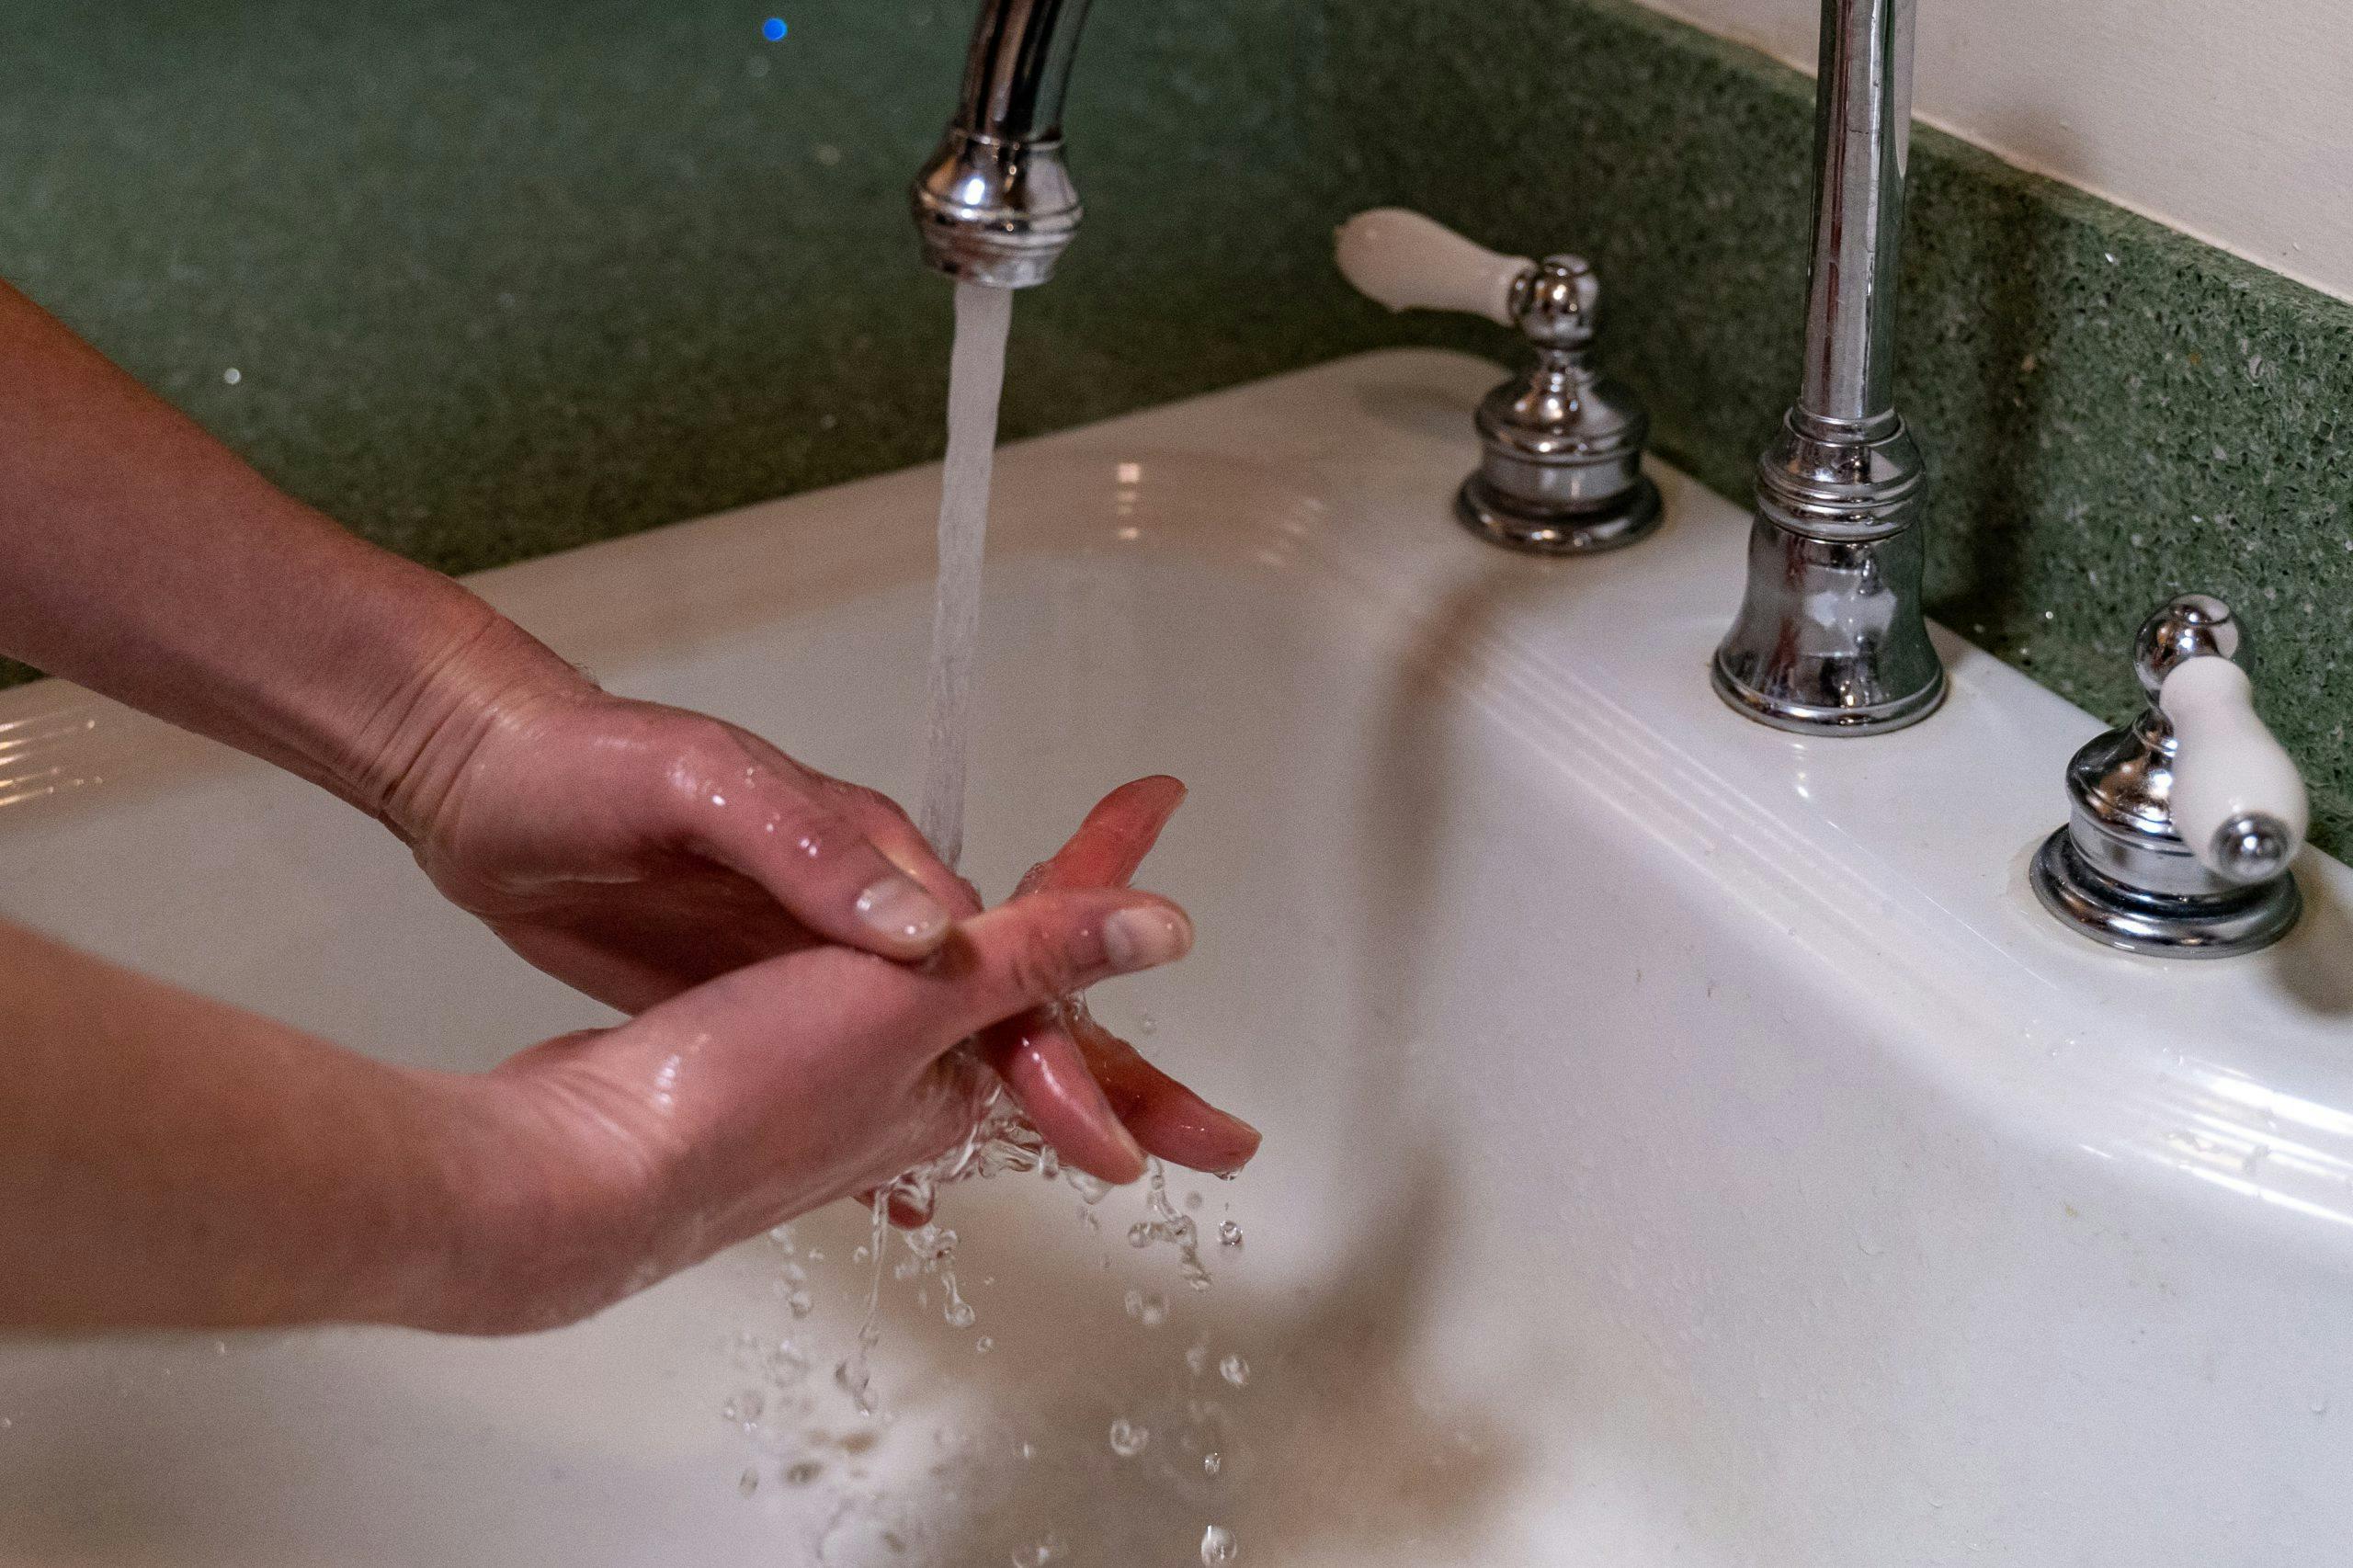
1002, 1140
975, 379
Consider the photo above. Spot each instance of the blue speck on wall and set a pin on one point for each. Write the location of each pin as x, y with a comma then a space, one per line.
773, 29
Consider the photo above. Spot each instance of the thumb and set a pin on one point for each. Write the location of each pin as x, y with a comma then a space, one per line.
819, 863
1044, 945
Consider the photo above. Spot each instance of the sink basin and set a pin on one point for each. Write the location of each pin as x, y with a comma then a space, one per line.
1686, 1142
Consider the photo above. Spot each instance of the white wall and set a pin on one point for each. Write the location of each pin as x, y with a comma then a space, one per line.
2230, 120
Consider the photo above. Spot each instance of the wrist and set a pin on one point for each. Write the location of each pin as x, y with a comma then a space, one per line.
411, 749
550, 1206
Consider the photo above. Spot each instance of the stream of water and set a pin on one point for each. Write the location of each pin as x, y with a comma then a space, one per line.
976, 381
1002, 1140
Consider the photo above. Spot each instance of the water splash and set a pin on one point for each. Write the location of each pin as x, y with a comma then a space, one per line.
1163, 1223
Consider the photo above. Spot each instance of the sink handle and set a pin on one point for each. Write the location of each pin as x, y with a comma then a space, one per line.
2183, 822
1560, 470
1408, 262
2238, 801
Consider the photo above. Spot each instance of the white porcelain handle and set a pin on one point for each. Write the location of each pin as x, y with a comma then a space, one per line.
1408, 262
2229, 769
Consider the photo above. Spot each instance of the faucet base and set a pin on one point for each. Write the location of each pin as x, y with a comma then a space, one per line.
1830, 638
1513, 523
2216, 926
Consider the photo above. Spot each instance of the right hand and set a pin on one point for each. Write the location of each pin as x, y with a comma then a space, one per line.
633, 1151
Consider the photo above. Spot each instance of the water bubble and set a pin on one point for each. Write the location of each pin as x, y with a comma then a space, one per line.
1234, 1370
1218, 1546
1228, 1233
1127, 1438
1040, 1552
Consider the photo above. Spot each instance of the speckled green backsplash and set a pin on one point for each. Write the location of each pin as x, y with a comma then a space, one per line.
500, 276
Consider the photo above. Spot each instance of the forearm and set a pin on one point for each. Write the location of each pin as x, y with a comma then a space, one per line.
166, 1160
142, 558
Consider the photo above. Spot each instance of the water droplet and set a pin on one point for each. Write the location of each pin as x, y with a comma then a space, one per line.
2319, 1405
748, 1483
1151, 1311
1039, 1553
233, 375
1197, 1359
1234, 1370
1228, 1233
745, 1407
799, 1303
1192, 1201
1211, 1462
983, 1346
1128, 1439
803, 1472
1218, 1546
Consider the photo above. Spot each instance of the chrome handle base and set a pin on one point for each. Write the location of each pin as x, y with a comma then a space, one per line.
2171, 926
1561, 446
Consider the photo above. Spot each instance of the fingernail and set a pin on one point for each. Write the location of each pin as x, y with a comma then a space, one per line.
1141, 938
897, 907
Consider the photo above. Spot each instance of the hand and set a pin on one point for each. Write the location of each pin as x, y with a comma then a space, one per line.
762, 1095
1089, 1093
634, 851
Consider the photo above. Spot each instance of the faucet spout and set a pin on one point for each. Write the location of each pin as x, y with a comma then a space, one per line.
1831, 638
996, 204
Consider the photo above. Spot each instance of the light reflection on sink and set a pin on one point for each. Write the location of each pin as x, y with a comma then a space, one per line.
1686, 1142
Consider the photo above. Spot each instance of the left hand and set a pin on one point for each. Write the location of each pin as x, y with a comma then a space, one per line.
634, 851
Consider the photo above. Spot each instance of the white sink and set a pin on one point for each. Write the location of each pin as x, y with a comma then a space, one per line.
1686, 1143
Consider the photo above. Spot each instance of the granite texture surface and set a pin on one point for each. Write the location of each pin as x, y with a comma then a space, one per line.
500, 276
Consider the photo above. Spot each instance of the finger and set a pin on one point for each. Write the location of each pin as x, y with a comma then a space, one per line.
1046, 1073
1114, 839
1162, 1115
773, 823
886, 822
1041, 947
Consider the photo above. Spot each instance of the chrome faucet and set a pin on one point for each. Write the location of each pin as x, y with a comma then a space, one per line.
996, 204
1830, 638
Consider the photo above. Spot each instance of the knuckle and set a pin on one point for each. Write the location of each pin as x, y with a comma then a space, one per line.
1038, 964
